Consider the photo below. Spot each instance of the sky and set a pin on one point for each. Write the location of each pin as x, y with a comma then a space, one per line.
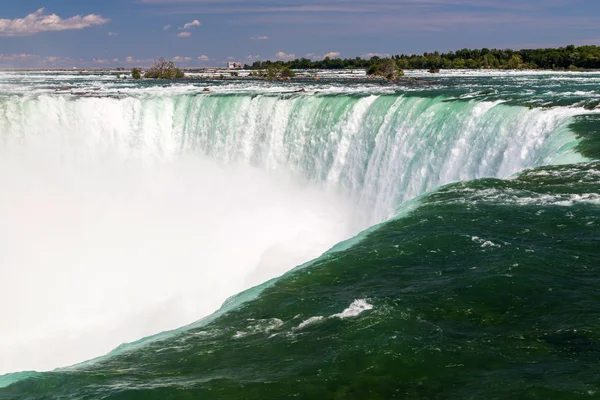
196, 33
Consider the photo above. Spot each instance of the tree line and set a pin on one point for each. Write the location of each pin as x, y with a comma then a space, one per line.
562, 58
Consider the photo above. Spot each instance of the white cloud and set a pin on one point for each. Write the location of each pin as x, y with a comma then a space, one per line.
100, 60
115, 60
189, 25
17, 57
313, 56
62, 61
259, 38
203, 58
137, 62
113, 34
252, 58
34, 60
284, 56
184, 34
371, 55
181, 59
167, 27
39, 22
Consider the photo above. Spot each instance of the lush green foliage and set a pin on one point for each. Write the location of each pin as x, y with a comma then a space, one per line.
163, 69
570, 57
286, 72
274, 71
136, 73
387, 67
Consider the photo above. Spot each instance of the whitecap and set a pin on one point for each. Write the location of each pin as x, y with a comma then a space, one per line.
355, 309
310, 321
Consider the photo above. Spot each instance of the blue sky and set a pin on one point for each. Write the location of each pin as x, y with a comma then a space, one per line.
210, 32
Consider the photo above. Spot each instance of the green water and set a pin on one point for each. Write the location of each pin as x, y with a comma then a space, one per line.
478, 289
489, 289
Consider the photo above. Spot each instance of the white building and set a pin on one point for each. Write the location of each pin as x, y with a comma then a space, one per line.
234, 65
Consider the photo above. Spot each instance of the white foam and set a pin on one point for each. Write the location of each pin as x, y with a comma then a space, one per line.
484, 243
261, 326
354, 310
310, 321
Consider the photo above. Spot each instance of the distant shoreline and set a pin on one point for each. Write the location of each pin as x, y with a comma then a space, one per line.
225, 70
569, 58
309, 70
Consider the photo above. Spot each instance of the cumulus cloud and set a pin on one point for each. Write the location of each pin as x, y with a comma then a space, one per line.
190, 25
252, 58
113, 34
39, 22
313, 56
100, 61
284, 56
203, 58
184, 34
259, 38
59, 61
181, 59
132, 60
167, 27
25, 59
17, 57
371, 55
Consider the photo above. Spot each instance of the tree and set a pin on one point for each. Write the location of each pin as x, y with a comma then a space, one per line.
287, 73
490, 60
163, 69
136, 73
386, 67
559, 58
514, 62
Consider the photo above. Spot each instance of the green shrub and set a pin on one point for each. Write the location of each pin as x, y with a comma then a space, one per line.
287, 73
163, 69
386, 67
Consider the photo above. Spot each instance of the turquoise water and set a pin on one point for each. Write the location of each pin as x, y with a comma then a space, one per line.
476, 276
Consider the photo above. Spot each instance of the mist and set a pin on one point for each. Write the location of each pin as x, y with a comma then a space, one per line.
102, 249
